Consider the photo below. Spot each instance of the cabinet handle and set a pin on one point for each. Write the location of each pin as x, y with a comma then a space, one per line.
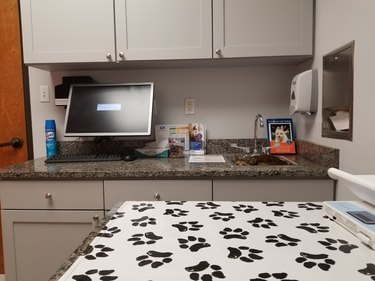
48, 195
157, 196
121, 55
218, 52
108, 56
95, 221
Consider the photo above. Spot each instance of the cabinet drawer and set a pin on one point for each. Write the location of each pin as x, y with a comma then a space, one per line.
147, 190
51, 195
273, 190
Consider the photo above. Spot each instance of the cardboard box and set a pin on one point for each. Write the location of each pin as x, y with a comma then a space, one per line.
173, 131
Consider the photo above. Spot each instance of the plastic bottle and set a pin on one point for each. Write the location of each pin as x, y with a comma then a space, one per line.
51, 144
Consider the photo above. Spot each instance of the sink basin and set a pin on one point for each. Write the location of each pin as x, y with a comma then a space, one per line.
261, 160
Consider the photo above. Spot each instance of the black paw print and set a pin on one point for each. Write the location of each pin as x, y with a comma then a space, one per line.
252, 254
311, 260
176, 212
342, 245
150, 238
164, 257
286, 214
198, 243
197, 270
143, 221
105, 275
185, 226
143, 207
109, 232
207, 205
278, 276
237, 233
101, 252
117, 215
282, 240
310, 206
274, 203
369, 270
313, 227
264, 223
222, 216
175, 202
245, 208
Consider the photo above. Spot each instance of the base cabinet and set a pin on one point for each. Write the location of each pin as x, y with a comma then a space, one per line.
273, 190
43, 222
36, 243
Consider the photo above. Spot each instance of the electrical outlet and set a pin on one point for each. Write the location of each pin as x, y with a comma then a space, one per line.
189, 106
44, 93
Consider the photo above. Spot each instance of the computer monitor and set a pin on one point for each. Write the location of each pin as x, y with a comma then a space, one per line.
110, 110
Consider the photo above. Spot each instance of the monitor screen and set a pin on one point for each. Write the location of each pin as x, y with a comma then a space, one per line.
110, 110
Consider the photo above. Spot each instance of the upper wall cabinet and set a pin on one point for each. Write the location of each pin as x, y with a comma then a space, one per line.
58, 31
261, 28
163, 29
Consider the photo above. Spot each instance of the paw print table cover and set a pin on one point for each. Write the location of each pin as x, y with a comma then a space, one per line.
256, 241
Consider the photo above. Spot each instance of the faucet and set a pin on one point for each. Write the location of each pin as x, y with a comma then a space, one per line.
261, 124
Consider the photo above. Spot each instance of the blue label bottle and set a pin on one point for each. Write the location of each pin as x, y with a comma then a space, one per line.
51, 144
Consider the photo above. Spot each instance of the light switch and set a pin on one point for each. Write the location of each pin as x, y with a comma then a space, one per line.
44, 93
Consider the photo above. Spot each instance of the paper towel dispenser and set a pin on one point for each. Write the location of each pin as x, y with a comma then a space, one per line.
304, 93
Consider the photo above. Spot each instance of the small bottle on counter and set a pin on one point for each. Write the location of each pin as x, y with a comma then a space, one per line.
51, 144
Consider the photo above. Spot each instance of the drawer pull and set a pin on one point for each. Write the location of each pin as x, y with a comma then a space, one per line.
95, 222
157, 196
48, 195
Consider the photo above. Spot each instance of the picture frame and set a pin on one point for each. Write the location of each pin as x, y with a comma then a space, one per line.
280, 134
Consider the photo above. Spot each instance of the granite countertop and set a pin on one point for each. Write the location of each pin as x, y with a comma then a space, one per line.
312, 162
156, 168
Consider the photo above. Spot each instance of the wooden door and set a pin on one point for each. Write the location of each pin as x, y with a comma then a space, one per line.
12, 106
12, 109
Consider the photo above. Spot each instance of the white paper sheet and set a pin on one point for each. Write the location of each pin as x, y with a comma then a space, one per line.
207, 159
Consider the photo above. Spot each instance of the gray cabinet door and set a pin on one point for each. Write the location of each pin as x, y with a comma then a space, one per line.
273, 190
36, 243
56, 31
149, 190
261, 28
163, 29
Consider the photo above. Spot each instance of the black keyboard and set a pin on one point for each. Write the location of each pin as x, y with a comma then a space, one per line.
67, 158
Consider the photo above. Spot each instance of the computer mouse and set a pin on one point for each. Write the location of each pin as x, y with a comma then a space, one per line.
129, 158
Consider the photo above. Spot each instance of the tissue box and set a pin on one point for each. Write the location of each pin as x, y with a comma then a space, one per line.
151, 152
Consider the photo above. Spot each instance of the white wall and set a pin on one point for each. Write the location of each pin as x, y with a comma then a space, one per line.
337, 23
227, 98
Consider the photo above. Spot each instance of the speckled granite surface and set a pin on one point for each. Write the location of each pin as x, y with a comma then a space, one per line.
312, 163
